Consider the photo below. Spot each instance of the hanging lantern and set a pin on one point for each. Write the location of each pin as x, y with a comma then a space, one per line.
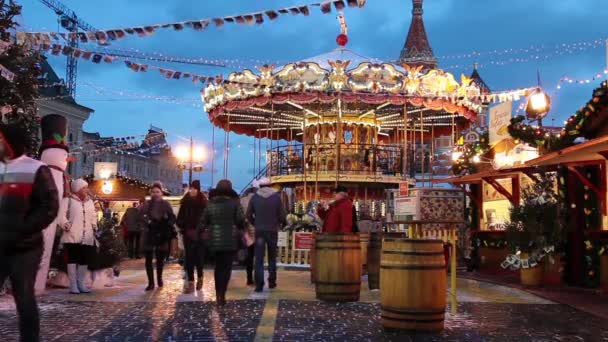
538, 104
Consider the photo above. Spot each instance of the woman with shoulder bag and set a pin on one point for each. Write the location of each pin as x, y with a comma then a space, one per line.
158, 220
224, 222
79, 223
249, 239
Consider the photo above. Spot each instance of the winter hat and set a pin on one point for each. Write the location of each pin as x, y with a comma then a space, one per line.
341, 188
157, 185
15, 135
264, 181
224, 185
196, 184
78, 184
54, 129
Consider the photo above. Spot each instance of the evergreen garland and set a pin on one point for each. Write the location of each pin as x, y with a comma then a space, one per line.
464, 164
578, 125
20, 93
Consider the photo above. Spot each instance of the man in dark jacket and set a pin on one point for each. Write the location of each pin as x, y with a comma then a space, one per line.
130, 223
28, 203
266, 213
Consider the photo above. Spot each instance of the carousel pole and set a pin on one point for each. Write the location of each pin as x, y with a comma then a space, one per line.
272, 158
338, 135
422, 147
254, 173
304, 158
317, 159
432, 155
404, 156
375, 145
212, 153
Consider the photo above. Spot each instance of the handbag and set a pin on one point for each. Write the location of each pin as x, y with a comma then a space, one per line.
247, 239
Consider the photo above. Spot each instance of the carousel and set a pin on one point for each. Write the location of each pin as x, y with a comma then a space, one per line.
341, 118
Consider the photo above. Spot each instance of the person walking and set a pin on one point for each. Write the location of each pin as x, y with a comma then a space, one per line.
251, 231
337, 216
266, 212
191, 209
78, 220
131, 225
28, 203
224, 221
158, 221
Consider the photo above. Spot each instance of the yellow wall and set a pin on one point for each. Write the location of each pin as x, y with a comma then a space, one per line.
502, 211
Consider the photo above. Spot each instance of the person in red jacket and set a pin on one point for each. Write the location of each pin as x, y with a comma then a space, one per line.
338, 215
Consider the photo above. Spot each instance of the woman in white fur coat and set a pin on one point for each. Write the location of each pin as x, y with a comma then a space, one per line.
78, 220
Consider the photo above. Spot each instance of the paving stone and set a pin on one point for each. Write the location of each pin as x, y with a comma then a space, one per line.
319, 321
182, 321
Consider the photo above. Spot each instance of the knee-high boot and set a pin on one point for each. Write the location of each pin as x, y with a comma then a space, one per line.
73, 276
150, 274
82, 272
159, 272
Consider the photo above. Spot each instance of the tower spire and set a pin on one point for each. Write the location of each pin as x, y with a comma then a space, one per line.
417, 50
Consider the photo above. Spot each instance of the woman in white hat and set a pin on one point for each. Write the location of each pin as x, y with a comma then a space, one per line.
79, 223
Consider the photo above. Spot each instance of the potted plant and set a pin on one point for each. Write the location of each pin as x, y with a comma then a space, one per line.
536, 230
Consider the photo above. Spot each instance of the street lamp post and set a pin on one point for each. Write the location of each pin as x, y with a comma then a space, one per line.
188, 156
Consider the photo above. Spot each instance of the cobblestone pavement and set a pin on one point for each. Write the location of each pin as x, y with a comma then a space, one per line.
486, 312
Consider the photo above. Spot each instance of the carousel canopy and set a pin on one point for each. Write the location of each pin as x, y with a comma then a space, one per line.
339, 85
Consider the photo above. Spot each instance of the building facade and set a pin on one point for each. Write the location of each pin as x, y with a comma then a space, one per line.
148, 161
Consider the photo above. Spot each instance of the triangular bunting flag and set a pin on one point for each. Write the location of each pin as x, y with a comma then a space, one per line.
259, 18
96, 58
149, 30
111, 34
76, 53
86, 55
326, 7
284, 10
294, 10
56, 50
120, 34
304, 10
230, 19
130, 30
219, 22
339, 4
272, 15
239, 19
178, 26
249, 19
108, 58
143, 67
352, 3
140, 31
177, 75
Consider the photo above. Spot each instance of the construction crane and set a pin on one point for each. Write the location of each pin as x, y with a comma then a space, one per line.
71, 22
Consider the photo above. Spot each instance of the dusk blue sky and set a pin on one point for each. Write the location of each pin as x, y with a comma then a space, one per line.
378, 30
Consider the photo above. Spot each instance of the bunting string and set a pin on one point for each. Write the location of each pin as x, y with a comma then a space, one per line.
103, 37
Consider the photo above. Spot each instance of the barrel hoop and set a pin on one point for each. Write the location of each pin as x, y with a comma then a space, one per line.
413, 320
337, 283
338, 248
412, 253
412, 312
413, 240
396, 267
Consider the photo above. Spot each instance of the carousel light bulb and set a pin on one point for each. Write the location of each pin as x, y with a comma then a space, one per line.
456, 155
476, 159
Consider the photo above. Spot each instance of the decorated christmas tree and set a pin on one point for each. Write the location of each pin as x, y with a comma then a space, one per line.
20, 73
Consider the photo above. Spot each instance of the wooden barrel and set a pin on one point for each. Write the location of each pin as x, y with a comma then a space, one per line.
413, 284
338, 266
364, 237
373, 260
